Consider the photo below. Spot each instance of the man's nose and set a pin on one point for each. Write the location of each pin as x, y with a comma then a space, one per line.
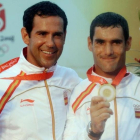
108, 49
49, 41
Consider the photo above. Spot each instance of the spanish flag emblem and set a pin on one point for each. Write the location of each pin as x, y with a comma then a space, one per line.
137, 114
65, 98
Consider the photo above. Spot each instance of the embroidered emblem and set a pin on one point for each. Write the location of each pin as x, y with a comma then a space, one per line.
137, 110
26, 102
65, 98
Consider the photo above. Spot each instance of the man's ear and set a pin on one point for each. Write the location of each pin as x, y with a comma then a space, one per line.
128, 43
25, 36
89, 43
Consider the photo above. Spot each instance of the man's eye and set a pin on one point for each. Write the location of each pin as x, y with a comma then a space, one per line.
117, 42
42, 33
59, 35
99, 42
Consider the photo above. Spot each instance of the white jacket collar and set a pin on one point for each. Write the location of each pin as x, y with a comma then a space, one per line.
124, 81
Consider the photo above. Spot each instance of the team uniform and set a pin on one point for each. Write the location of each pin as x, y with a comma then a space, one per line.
36, 109
124, 124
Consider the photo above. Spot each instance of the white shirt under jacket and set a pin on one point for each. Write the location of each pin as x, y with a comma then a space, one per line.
33, 121
128, 101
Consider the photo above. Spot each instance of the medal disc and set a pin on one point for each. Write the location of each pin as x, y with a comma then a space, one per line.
108, 91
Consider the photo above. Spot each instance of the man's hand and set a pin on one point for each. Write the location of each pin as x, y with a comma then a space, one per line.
99, 112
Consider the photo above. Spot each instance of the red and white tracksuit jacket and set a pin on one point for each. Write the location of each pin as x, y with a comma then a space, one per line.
126, 108
35, 111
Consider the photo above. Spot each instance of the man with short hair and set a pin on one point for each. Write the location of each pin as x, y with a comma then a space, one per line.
106, 105
34, 89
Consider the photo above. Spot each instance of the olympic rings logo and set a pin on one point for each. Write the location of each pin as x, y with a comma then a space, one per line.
3, 49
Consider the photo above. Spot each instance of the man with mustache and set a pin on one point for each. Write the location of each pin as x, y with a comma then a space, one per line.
106, 105
34, 89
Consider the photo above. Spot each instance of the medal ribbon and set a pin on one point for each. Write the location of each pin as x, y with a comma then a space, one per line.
40, 76
102, 81
96, 79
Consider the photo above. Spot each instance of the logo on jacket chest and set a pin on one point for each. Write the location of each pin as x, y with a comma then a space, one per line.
137, 110
65, 97
26, 102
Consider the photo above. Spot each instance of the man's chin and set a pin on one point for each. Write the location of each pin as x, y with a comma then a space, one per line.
47, 66
109, 70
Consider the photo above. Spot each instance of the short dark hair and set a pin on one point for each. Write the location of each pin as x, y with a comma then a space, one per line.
44, 8
109, 19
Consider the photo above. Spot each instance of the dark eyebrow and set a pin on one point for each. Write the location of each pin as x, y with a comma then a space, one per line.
41, 31
58, 33
55, 33
117, 40
99, 40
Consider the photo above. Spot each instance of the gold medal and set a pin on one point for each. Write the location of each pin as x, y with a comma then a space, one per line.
108, 91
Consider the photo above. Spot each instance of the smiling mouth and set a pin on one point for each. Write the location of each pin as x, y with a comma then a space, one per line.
46, 52
108, 58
